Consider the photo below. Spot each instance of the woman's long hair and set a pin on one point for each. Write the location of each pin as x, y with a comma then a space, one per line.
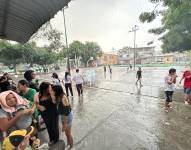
43, 88
59, 92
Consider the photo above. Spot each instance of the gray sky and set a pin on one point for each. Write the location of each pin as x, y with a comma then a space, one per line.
107, 22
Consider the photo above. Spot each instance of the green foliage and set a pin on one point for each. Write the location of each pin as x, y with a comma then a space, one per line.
176, 24
53, 36
44, 58
10, 54
157, 31
14, 54
147, 17
92, 49
75, 49
85, 51
29, 53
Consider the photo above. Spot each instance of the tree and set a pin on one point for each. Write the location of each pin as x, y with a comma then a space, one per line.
176, 24
11, 55
28, 51
45, 58
91, 49
78, 50
53, 36
75, 49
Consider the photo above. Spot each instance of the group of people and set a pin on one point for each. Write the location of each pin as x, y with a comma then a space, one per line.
67, 82
170, 81
21, 106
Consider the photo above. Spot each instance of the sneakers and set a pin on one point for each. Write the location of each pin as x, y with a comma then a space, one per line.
166, 110
186, 102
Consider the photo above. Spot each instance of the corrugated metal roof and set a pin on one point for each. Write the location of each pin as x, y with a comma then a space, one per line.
20, 19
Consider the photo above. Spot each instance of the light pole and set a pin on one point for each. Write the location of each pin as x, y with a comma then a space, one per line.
66, 39
134, 29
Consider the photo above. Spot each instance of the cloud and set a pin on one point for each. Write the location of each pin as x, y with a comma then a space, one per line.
106, 22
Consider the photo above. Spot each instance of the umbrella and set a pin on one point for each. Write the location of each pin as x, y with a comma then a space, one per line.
20, 19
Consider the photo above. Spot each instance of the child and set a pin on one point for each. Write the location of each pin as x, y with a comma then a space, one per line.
170, 80
187, 85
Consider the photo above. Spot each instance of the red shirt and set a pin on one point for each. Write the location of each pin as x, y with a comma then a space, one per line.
187, 79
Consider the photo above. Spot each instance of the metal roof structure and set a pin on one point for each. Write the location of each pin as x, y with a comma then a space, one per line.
20, 19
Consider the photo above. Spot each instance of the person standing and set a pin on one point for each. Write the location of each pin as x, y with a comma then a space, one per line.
104, 68
110, 72
65, 111
30, 76
131, 67
68, 83
55, 80
46, 104
170, 81
187, 85
79, 82
139, 76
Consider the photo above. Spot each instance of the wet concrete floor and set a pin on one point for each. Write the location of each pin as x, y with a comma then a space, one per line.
116, 115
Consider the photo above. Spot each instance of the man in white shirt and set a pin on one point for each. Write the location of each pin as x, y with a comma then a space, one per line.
79, 82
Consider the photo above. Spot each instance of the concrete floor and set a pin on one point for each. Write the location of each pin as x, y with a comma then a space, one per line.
116, 115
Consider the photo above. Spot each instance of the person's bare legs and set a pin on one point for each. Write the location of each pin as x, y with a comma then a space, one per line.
137, 81
167, 106
140, 82
69, 137
187, 98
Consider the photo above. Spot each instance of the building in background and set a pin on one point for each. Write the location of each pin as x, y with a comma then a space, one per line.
108, 59
126, 55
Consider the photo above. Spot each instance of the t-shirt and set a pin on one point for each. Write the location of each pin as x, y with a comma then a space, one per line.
67, 79
187, 81
78, 78
168, 87
56, 81
29, 96
139, 73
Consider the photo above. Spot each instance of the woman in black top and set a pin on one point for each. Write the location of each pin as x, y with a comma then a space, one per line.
65, 112
47, 107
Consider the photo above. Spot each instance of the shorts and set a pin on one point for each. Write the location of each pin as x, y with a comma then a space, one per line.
139, 77
187, 91
169, 96
70, 118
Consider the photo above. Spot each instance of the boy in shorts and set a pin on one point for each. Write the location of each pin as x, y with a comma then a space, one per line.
187, 85
170, 81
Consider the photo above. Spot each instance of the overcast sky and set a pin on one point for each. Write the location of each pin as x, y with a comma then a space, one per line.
107, 22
